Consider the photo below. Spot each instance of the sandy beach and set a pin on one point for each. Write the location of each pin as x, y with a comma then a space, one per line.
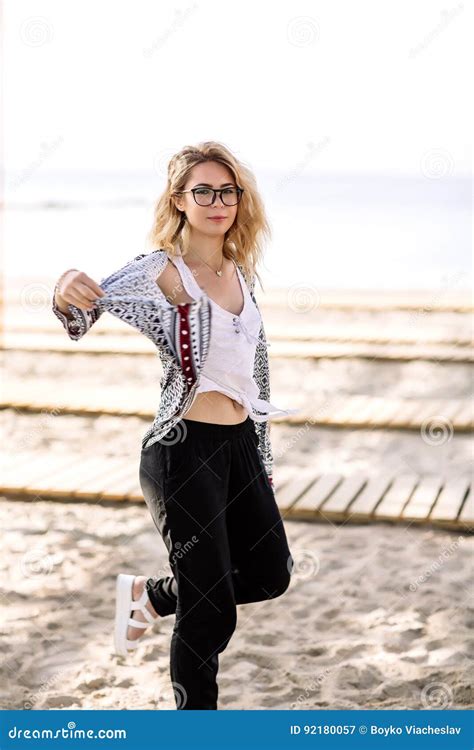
376, 615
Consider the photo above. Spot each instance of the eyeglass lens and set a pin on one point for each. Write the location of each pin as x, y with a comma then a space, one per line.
204, 196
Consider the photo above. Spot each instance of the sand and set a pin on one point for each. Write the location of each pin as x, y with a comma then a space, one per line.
375, 617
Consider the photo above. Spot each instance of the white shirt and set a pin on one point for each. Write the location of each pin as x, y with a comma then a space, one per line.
230, 359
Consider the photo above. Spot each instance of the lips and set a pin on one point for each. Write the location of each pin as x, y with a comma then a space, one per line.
216, 218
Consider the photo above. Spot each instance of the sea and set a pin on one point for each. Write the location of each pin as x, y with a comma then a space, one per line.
329, 231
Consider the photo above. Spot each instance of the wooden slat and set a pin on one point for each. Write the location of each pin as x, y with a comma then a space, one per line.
347, 407
423, 498
344, 494
295, 349
464, 417
404, 416
16, 322
33, 469
98, 486
330, 497
120, 484
395, 498
467, 513
450, 500
354, 410
384, 412
59, 482
317, 494
452, 407
292, 490
365, 503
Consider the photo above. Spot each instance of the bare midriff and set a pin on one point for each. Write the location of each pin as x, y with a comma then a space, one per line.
217, 408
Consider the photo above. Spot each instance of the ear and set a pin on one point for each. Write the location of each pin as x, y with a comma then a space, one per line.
178, 202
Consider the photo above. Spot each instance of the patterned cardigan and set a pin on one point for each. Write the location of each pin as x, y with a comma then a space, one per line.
181, 334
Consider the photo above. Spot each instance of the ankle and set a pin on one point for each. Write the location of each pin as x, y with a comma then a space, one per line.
137, 590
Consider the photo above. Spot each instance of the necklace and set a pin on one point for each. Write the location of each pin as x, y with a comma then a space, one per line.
218, 272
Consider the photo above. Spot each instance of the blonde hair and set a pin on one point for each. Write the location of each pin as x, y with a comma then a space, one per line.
244, 240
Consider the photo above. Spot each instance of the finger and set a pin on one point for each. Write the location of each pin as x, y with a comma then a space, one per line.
86, 291
76, 299
95, 288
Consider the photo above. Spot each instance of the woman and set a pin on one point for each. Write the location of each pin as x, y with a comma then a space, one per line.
206, 461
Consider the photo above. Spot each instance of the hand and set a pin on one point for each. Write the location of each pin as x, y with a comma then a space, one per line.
77, 288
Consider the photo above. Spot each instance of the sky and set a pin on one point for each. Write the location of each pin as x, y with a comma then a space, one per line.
297, 88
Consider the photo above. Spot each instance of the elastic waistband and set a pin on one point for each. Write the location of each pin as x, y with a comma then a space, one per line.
210, 429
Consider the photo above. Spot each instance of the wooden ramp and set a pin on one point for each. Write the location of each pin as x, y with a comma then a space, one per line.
446, 502
313, 349
447, 298
368, 412
22, 328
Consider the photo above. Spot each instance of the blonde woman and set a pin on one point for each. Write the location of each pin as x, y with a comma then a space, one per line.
206, 461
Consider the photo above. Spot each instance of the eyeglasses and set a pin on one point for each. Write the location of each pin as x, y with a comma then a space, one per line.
204, 196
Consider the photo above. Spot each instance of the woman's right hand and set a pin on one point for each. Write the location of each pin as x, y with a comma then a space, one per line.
77, 288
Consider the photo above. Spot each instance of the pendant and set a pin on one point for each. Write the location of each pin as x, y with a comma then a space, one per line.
219, 273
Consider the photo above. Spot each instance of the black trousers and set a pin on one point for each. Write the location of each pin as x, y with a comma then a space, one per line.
209, 496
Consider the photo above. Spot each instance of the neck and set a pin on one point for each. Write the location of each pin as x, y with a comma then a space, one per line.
208, 249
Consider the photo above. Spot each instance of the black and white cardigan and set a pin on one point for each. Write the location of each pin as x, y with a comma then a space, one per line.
181, 334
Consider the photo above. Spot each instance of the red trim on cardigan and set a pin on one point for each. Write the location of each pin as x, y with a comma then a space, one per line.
185, 344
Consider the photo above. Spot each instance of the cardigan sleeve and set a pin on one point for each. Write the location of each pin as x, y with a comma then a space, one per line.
78, 322
181, 332
262, 378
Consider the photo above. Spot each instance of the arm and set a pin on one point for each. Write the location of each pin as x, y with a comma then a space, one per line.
180, 332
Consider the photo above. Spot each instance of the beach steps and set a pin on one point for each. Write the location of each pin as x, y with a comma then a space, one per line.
445, 502
372, 412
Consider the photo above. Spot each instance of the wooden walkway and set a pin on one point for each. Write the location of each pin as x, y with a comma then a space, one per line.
332, 498
377, 348
350, 411
451, 298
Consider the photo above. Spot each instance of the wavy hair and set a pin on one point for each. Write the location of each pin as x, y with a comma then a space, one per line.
244, 240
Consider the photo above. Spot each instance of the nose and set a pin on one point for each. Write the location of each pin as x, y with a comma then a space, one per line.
214, 198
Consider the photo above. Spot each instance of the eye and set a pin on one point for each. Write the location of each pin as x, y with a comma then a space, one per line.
203, 191
229, 191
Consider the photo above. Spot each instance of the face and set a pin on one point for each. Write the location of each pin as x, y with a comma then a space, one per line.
215, 175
